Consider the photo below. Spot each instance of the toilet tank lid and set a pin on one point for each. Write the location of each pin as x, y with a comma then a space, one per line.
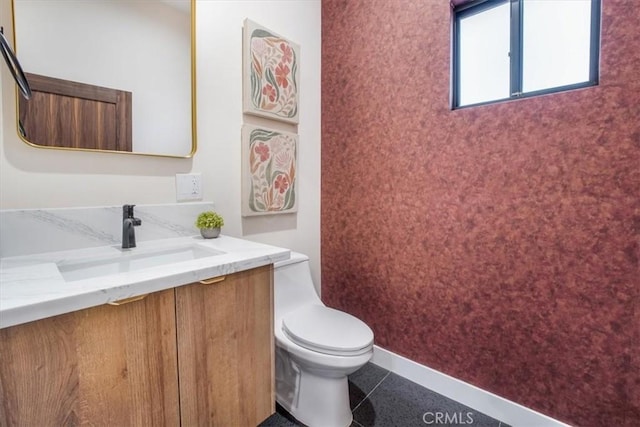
295, 258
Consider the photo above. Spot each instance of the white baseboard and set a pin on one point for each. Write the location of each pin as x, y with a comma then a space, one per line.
483, 401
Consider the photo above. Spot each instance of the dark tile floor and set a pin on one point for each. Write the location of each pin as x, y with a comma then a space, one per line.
380, 398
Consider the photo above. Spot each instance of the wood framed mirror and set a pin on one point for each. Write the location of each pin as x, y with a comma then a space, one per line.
109, 76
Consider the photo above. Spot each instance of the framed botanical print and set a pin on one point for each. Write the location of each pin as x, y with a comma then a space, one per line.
271, 81
269, 171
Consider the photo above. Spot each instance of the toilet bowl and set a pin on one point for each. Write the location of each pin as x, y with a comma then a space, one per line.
316, 348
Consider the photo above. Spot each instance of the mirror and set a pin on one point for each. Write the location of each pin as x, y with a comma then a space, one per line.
108, 75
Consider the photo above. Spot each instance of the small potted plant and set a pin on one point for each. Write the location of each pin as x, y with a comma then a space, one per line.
209, 223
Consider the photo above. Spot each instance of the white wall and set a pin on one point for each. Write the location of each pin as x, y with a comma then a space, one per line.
42, 178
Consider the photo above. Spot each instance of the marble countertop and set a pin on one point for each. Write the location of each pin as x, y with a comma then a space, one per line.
32, 287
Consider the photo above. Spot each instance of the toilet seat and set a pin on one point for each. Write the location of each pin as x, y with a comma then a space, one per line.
325, 330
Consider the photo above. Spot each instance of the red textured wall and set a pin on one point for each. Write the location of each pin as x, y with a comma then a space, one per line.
498, 244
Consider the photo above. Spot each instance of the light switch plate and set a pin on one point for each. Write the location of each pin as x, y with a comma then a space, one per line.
188, 186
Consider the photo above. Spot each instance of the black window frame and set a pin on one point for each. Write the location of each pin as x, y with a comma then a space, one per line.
515, 54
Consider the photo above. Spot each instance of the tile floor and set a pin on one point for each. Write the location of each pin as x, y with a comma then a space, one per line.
380, 398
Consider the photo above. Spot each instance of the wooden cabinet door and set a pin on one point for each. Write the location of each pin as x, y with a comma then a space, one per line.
225, 350
106, 365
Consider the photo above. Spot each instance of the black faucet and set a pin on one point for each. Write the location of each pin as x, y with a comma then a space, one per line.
128, 224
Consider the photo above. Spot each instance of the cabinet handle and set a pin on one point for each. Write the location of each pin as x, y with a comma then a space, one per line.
128, 300
213, 280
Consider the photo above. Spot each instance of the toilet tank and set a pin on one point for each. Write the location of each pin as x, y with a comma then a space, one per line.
293, 285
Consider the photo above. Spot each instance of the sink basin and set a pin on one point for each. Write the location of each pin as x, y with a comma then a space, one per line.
131, 261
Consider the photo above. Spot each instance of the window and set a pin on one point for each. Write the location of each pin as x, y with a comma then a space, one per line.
507, 49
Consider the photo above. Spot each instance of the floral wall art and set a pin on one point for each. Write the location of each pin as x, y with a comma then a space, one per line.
271, 77
269, 171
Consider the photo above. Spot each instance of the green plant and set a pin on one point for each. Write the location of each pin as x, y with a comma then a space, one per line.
209, 219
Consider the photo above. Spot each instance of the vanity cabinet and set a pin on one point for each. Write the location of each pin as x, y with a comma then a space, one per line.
109, 365
200, 354
225, 334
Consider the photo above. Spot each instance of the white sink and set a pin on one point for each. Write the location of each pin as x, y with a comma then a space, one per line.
131, 261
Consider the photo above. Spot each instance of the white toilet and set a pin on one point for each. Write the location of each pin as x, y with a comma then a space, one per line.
316, 348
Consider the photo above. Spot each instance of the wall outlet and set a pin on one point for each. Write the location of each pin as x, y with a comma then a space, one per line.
188, 186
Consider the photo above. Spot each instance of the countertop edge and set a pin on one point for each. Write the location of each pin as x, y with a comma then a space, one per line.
154, 280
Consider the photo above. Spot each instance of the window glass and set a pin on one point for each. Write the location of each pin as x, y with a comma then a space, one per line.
556, 43
508, 49
484, 55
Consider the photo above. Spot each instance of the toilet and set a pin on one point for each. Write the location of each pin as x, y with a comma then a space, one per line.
316, 348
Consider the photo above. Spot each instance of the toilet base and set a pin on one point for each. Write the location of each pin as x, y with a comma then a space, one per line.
321, 401
315, 396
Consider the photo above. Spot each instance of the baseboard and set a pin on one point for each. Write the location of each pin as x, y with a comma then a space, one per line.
483, 401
